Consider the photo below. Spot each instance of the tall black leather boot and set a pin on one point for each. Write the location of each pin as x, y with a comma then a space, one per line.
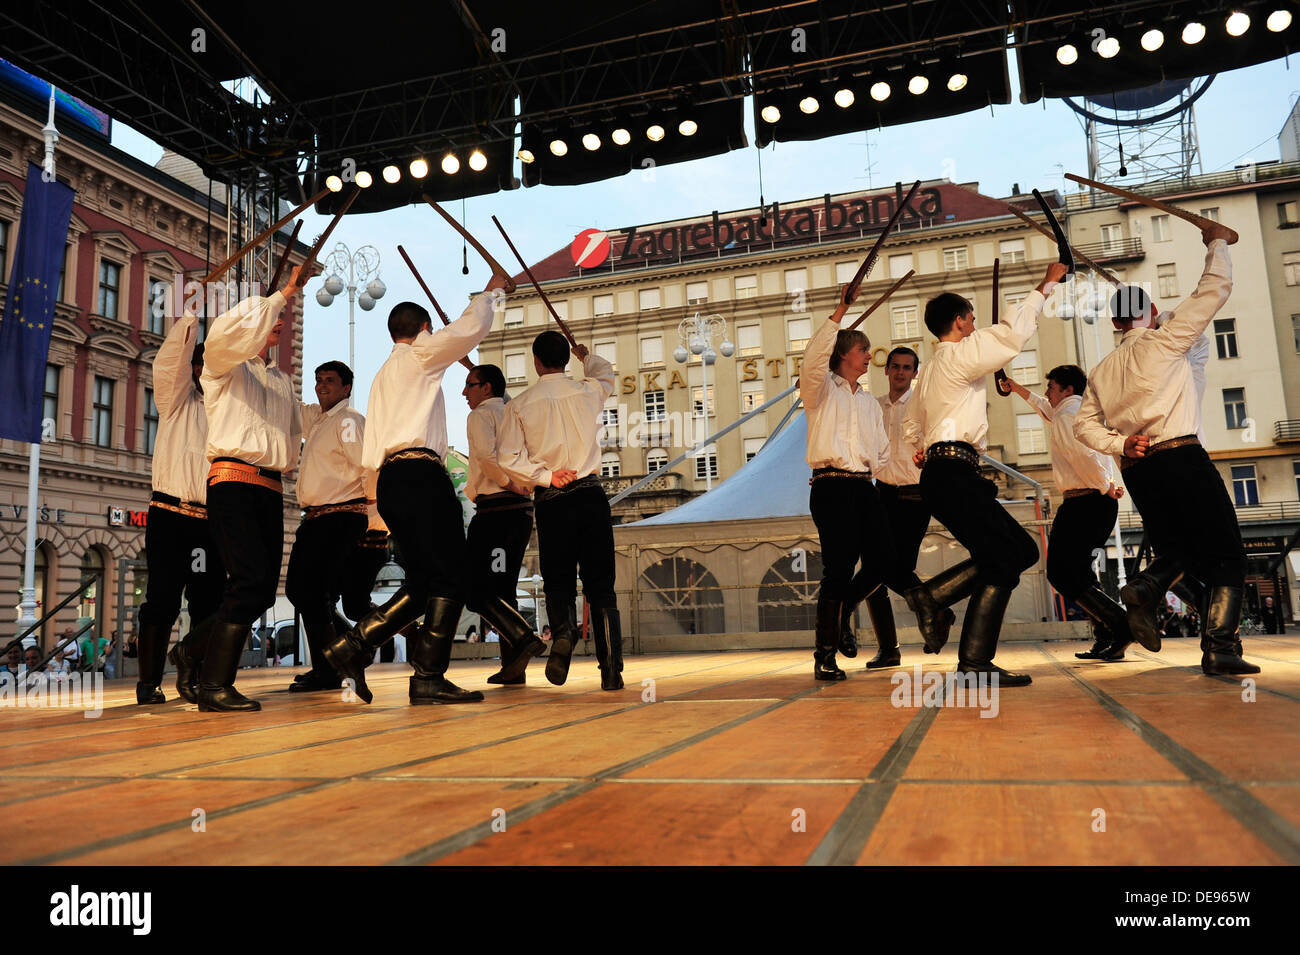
881, 613
217, 693
429, 652
979, 635
564, 638
607, 630
828, 639
931, 602
187, 657
321, 676
151, 649
518, 642
351, 652
1145, 595
1110, 624
1220, 653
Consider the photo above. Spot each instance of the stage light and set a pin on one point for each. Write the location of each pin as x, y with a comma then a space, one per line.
1152, 40
419, 168
655, 133
957, 82
880, 91
333, 183
844, 98
363, 179
1193, 33
591, 142
1278, 20
1066, 54
526, 156
621, 137
1238, 23
1108, 47
392, 174
809, 105
687, 127
450, 164
559, 147
917, 85
477, 161
770, 114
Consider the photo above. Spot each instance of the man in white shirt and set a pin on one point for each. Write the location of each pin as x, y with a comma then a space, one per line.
499, 531
178, 543
254, 435
405, 444
549, 442
1144, 407
948, 420
1086, 517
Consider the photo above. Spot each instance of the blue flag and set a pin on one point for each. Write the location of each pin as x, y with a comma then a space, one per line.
29, 307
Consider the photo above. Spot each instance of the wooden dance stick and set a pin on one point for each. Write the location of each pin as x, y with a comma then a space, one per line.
1200, 222
262, 236
320, 240
1000, 382
1077, 254
881, 301
436, 307
478, 246
529, 272
851, 290
284, 259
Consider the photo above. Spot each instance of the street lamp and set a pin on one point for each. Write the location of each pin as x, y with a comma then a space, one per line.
359, 266
696, 336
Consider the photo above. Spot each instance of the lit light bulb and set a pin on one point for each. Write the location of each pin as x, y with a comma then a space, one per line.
419, 168
1278, 20
621, 137
1066, 54
559, 147
1153, 40
655, 133
957, 82
1108, 47
917, 85
392, 174
770, 114
844, 98
450, 164
880, 91
1193, 33
477, 161
809, 105
1238, 23
591, 142
687, 127
333, 183
363, 179
526, 156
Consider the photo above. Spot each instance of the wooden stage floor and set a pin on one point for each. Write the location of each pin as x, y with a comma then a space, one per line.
741, 758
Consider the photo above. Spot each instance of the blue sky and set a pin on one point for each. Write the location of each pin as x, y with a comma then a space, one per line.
1237, 119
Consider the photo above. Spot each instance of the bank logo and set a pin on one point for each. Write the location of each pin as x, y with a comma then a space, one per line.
590, 248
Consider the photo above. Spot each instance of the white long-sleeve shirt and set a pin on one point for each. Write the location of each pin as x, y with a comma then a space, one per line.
1148, 384
846, 428
252, 410
406, 409
951, 402
331, 471
554, 424
901, 469
180, 450
1198, 358
483, 427
1074, 465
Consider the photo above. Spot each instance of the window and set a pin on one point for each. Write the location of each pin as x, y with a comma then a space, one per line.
609, 464
749, 339
697, 402
1167, 280
602, 305
905, 322
102, 433
4, 249
1211, 213
1287, 217
63, 271
955, 258
609, 414
1029, 431
1011, 251
899, 265
746, 286
514, 316
150, 421
752, 395
1295, 469
655, 458
652, 352
50, 396
844, 272
800, 330
607, 351
110, 276
796, 280
1245, 487
1024, 368
697, 293
1295, 332
648, 298
655, 406
1234, 408
1011, 301
706, 463
515, 368
1111, 236
561, 309
752, 446
1291, 267
1160, 228
155, 309
1225, 337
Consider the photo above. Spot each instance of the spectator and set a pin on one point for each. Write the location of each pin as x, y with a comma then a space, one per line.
59, 667
131, 650
1269, 616
471, 635
14, 659
546, 632
109, 665
32, 658
92, 652
71, 649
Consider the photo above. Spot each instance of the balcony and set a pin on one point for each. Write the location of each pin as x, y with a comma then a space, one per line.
1125, 250
668, 481
1281, 512
1286, 432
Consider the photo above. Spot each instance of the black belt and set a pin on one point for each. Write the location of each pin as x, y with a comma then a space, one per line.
264, 472
413, 454
1072, 493
1125, 463
906, 492
551, 493
953, 451
502, 501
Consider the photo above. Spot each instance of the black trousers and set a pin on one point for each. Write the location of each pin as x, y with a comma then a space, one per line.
182, 559
1081, 525
323, 552
247, 523
907, 519
851, 526
1188, 514
417, 501
496, 543
575, 535
362, 566
966, 504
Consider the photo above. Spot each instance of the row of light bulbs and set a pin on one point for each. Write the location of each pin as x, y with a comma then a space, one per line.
419, 168
620, 137
1193, 33
880, 91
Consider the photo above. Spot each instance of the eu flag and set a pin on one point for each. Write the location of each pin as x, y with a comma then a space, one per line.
29, 307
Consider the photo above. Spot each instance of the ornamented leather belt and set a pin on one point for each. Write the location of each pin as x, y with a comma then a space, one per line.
839, 473
551, 493
953, 451
174, 504
228, 469
355, 506
1080, 492
414, 454
1181, 441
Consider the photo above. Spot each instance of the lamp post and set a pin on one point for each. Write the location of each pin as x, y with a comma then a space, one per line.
696, 335
359, 266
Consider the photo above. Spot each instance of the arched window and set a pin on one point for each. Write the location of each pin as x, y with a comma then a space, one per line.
787, 597
655, 458
609, 464
92, 600
679, 595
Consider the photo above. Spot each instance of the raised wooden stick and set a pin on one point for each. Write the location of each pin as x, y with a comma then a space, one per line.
284, 259
320, 240
1077, 254
851, 290
1199, 221
1000, 376
436, 307
478, 246
529, 272
880, 301
261, 237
